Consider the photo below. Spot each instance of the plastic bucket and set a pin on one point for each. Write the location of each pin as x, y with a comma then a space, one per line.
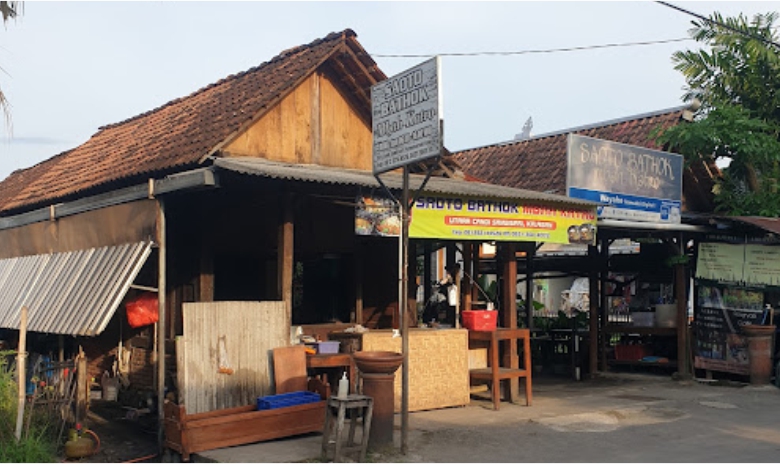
666, 315
109, 392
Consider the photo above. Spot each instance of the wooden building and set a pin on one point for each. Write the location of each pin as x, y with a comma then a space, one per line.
243, 191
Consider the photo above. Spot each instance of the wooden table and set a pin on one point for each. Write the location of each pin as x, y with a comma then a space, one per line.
495, 372
334, 361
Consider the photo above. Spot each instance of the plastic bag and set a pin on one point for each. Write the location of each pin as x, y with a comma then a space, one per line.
142, 310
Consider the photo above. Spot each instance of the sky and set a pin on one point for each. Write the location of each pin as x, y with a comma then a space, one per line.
68, 68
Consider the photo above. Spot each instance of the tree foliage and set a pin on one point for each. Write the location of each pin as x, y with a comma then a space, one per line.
737, 79
8, 10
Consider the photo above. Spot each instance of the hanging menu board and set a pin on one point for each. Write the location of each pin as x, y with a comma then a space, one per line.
744, 264
762, 265
721, 262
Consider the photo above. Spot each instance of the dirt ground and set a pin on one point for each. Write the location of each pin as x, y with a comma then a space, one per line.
125, 435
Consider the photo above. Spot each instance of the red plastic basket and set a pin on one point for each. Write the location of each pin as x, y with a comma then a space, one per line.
481, 320
630, 352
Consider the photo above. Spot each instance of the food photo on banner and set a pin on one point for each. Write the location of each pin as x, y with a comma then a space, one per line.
377, 216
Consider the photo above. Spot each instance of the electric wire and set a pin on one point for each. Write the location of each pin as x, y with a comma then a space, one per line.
534, 51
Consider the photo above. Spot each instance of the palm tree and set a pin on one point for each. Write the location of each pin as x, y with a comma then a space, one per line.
8, 10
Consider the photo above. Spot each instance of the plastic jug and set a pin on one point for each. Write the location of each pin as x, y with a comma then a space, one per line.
343, 386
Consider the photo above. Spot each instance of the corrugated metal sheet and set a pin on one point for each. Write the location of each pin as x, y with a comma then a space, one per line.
329, 175
73, 293
768, 224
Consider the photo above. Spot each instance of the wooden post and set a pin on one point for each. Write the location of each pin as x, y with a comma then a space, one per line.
359, 284
529, 284
162, 251
468, 274
680, 294
206, 277
603, 300
21, 372
593, 293
82, 386
475, 295
427, 270
285, 254
510, 314
61, 346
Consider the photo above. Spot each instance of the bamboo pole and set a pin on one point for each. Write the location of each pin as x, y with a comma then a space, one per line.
21, 370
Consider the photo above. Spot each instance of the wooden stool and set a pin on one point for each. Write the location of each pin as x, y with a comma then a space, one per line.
357, 403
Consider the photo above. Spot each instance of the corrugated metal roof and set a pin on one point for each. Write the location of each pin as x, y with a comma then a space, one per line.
766, 223
73, 293
340, 176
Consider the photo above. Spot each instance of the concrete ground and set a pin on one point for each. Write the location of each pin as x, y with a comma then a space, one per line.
614, 418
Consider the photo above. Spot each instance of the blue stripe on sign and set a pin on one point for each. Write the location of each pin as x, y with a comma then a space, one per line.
623, 201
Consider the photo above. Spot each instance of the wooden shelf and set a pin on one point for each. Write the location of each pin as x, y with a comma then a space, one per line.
503, 373
612, 329
671, 364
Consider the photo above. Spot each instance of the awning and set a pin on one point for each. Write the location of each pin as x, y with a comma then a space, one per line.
650, 226
72, 293
341, 176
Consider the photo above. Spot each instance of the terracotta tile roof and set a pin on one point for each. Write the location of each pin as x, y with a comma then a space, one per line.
540, 163
178, 135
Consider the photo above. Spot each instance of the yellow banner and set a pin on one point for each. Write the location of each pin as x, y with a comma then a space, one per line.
470, 218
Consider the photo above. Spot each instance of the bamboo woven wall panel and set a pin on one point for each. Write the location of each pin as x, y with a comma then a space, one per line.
438, 366
236, 338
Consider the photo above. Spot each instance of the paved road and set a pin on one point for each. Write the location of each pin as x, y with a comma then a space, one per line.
618, 418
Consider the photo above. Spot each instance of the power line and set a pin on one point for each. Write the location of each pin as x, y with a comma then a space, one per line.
718, 23
527, 52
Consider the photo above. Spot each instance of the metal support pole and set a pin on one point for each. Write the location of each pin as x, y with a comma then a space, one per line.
404, 312
161, 286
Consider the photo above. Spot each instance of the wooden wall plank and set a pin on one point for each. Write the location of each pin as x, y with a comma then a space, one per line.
346, 139
314, 124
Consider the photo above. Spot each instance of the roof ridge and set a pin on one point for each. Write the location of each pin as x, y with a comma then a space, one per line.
279, 57
609, 122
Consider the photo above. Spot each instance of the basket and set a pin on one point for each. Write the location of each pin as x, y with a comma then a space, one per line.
630, 352
287, 399
480, 320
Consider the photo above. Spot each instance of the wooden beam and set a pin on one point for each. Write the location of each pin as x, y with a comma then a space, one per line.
316, 121
285, 253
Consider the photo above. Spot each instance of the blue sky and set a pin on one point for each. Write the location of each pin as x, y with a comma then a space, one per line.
69, 68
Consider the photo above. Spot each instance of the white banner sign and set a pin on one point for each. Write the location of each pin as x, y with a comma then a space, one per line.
406, 117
